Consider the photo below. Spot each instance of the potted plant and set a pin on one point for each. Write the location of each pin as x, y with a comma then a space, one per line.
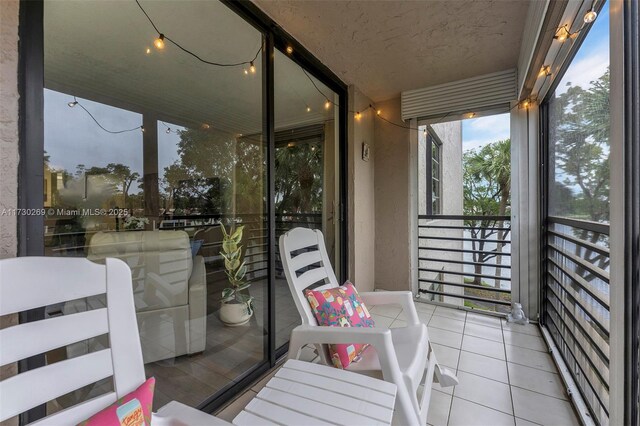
236, 308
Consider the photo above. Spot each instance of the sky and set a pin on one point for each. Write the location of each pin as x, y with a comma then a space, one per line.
590, 62
477, 132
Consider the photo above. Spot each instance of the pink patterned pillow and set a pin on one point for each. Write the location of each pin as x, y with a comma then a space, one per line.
134, 409
341, 307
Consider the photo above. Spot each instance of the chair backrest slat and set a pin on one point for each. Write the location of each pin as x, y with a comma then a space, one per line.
29, 389
314, 265
35, 282
305, 259
79, 412
51, 334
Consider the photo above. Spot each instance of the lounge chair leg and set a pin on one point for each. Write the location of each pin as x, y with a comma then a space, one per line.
445, 377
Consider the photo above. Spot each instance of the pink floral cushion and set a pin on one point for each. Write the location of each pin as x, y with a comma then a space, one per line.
134, 409
341, 307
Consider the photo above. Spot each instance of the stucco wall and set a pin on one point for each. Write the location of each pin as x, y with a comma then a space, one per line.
8, 125
393, 200
450, 134
8, 147
361, 206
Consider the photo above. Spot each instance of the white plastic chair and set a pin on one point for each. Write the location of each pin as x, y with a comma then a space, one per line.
34, 282
402, 355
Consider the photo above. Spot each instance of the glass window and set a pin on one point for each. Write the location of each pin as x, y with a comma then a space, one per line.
436, 185
577, 281
151, 156
306, 171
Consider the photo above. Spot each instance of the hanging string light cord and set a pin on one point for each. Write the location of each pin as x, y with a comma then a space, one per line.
113, 132
189, 52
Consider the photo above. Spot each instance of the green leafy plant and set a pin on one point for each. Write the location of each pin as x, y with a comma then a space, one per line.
235, 267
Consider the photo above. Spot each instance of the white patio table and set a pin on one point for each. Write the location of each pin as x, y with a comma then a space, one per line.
304, 393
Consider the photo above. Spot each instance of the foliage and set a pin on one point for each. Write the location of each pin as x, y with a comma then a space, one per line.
235, 266
579, 136
298, 179
487, 192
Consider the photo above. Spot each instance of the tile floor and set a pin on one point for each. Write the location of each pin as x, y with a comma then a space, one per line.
506, 375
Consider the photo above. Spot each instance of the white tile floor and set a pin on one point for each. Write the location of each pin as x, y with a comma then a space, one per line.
506, 374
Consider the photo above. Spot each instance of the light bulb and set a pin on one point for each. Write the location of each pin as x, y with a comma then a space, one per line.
358, 115
472, 114
72, 104
252, 68
148, 51
590, 16
159, 42
327, 105
289, 50
378, 112
525, 103
308, 109
545, 71
313, 148
168, 130
425, 132
291, 145
562, 34
205, 126
142, 129
246, 72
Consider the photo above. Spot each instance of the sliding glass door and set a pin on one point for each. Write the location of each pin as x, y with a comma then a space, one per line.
178, 139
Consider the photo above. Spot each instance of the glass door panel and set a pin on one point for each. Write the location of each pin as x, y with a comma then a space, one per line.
151, 156
306, 171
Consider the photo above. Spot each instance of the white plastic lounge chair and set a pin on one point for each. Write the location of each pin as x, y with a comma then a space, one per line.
402, 355
34, 282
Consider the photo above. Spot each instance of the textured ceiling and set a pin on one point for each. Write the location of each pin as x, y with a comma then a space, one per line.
96, 50
385, 47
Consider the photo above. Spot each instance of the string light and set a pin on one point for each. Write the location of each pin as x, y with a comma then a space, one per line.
327, 105
142, 129
148, 50
378, 112
252, 68
590, 16
246, 72
358, 115
545, 71
205, 126
159, 42
562, 34
289, 50
308, 109
73, 103
168, 130
95, 120
471, 114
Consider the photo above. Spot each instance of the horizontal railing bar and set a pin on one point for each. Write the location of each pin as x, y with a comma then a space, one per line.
587, 357
586, 244
598, 272
467, 239
582, 283
459, 217
466, 274
460, 296
493, 228
475, 287
603, 356
600, 228
581, 367
463, 262
578, 302
464, 251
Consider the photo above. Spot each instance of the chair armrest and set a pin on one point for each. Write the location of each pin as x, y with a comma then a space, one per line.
379, 338
197, 306
404, 298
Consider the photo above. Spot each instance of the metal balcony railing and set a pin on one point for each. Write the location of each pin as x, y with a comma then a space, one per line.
576, 304
465, 260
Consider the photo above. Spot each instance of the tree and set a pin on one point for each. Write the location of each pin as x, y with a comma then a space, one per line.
298, 180
579, 135
487, 192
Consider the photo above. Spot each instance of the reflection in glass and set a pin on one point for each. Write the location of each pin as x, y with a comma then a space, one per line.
158, 154
306, 170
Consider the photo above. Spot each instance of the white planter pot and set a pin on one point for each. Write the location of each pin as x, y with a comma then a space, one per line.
234, 314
